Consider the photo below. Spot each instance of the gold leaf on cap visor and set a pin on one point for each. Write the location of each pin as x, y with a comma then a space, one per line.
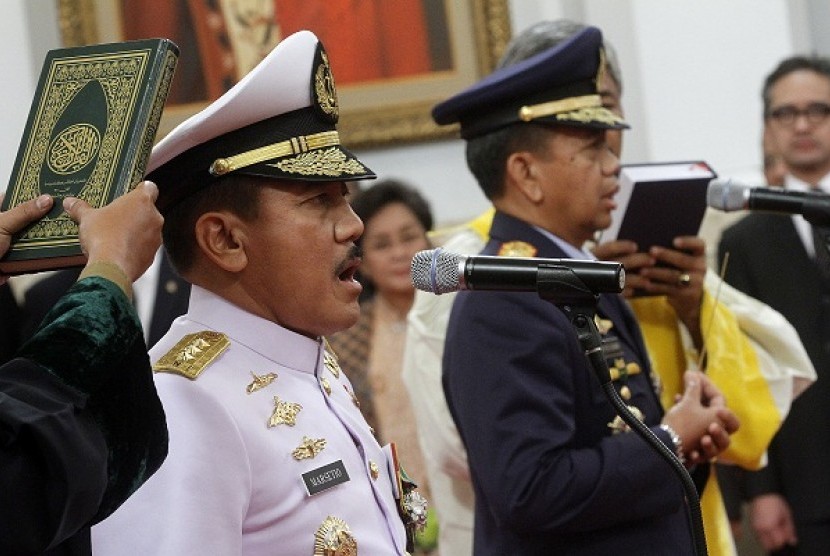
329, 162
591, 115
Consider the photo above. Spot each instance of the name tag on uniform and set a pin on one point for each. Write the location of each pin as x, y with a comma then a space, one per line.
323, 478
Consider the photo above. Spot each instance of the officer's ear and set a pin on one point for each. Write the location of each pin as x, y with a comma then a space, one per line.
221, 236
523, 174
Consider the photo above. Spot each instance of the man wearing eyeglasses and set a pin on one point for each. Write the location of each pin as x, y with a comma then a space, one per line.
773, 257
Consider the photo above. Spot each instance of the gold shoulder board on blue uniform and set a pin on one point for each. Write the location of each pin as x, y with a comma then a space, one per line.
517, 249
192, 354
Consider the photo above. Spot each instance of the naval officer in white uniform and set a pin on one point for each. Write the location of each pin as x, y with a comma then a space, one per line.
269, 453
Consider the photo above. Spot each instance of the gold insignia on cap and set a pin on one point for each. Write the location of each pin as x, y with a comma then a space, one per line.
325, 93
260, 382
618, 425
334, 538
285, 413
192, 354
517, 249
603, 67
309, 448
324, 162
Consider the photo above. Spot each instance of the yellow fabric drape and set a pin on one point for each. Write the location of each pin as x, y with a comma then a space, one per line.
733, 367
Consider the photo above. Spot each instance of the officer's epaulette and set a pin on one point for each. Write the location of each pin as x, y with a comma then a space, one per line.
517, 249
192, 354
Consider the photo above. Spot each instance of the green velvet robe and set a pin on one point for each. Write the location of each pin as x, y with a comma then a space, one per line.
81, 425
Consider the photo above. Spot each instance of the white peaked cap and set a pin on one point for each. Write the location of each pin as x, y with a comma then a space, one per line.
278, 122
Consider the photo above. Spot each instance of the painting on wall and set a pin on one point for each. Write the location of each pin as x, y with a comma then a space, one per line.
392, 60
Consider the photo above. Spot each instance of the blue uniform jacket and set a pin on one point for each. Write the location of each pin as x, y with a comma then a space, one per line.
549, 475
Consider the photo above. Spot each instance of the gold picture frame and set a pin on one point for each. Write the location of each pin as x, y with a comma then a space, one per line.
376, 112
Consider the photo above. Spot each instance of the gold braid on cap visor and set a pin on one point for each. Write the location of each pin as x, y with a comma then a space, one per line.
587, 108
295, 145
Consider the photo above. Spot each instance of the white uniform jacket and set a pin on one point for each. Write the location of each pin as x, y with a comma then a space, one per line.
240, 442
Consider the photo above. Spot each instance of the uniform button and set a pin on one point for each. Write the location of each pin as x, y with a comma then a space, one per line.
625, 393
171, 287
373, 469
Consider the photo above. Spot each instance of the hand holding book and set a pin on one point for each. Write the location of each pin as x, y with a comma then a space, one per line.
89, 134
659, 202
124, 235
677, 273
653, 229
17, 218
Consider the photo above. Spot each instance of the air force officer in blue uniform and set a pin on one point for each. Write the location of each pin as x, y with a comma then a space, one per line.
554, 472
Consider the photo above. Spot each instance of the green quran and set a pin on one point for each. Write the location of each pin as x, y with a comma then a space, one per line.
89, 134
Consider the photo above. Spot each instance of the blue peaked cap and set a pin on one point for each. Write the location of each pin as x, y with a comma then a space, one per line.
557, 86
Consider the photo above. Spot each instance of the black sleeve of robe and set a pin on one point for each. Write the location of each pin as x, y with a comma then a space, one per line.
81, 425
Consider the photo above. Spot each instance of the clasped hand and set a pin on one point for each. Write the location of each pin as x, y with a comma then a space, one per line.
701, 419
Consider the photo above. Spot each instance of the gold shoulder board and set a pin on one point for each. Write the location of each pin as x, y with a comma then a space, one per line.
193, 354
517, 249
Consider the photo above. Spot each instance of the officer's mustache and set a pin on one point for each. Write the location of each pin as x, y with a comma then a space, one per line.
350, 262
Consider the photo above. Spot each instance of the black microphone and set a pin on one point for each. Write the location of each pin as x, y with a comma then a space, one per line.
728, 195
438, 271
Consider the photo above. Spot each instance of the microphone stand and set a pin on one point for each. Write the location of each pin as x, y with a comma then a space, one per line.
580, 308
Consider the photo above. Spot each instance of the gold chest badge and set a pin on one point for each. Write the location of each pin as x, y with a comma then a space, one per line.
260, 382
333, 538
285, 413
309, 448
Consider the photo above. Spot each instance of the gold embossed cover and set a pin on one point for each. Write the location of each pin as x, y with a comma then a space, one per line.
89, 134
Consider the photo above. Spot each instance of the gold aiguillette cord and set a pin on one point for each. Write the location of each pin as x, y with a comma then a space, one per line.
702, 355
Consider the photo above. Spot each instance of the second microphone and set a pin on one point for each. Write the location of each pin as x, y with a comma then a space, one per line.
440, 271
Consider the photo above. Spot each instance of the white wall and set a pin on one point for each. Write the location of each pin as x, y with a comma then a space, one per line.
692, 73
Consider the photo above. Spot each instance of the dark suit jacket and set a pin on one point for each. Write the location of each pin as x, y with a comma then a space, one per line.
549, 475
767, 260
172, 295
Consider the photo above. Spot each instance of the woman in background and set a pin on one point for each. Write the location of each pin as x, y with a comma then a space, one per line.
396, 219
